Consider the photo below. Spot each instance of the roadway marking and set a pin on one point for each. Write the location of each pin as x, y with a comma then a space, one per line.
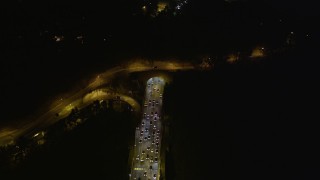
139, 169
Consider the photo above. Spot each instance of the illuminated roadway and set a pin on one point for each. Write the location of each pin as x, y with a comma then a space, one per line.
146, 153
79, 98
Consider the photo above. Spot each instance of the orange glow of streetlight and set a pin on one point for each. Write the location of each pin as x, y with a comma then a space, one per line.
258, 52
232, 58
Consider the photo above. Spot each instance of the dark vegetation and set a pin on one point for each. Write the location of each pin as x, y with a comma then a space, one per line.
250, 120
98, 148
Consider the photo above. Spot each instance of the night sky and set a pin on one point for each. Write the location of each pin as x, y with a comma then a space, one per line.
48, 48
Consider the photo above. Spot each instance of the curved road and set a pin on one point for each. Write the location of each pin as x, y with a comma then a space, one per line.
64, 106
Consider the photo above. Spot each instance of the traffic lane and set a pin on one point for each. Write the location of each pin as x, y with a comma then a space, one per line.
149, 117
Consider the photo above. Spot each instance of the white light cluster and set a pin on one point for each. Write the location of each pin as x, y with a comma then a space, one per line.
180, 4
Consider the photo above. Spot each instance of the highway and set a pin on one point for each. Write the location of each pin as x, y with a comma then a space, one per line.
146, 155
79, 98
